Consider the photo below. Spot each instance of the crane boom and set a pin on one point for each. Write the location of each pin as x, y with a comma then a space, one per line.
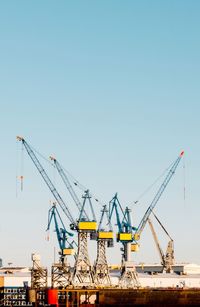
124, 222
162, 256
167, 259
113, 206
46, 178
157, 196
161, 225
68, 185
105, 214
61, 233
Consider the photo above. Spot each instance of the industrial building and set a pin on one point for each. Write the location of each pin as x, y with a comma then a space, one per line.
180, 269
15, 288
187, 275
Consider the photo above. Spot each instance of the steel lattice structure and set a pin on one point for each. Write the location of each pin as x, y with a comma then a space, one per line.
60, 275
83, 273
101, 269
38, 276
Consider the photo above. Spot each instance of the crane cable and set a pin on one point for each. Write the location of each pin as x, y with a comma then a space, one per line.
184, 181
161, 225
151, 186
19, 167
22, 167
81, 186
75, 182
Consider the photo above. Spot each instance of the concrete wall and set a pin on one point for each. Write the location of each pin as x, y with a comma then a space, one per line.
170, 281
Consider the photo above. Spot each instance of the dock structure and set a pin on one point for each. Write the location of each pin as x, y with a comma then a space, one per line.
98, 297
156, 290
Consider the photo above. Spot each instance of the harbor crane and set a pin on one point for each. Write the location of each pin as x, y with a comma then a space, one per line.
105, 237
49, 183
129, 277
83, 273
155, 200
129, 235
62, 269
61, 272
167, 259
61, 233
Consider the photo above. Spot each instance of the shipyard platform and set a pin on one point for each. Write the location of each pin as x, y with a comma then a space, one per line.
99, 297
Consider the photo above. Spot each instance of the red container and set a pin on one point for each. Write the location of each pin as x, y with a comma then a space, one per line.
52, 296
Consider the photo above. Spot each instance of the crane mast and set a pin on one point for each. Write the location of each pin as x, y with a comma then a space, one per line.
104, 237
167, 259
83, 272
129, 277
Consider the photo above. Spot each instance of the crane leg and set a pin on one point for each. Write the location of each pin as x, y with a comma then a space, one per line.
101, 270
38, 274
129, 277
83, 273
60, 275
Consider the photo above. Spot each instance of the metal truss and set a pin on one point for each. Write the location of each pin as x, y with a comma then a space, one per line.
129, 277
38, 276
60, 275
101, 270
83, 273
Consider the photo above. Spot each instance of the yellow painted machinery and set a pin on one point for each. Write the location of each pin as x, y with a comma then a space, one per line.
68, 251
87, 226
124, 237
135, 247
105, 235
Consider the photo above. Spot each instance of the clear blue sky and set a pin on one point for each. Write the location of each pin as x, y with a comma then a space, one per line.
112, 89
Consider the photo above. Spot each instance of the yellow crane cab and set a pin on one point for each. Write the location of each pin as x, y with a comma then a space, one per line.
124, 237
68, 251
87, 226
105, 235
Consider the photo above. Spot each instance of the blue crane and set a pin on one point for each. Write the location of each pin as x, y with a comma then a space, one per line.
49, 183
157, 197
81, 273
84, 222
123, 218
105, 232
61, 232
126, 231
